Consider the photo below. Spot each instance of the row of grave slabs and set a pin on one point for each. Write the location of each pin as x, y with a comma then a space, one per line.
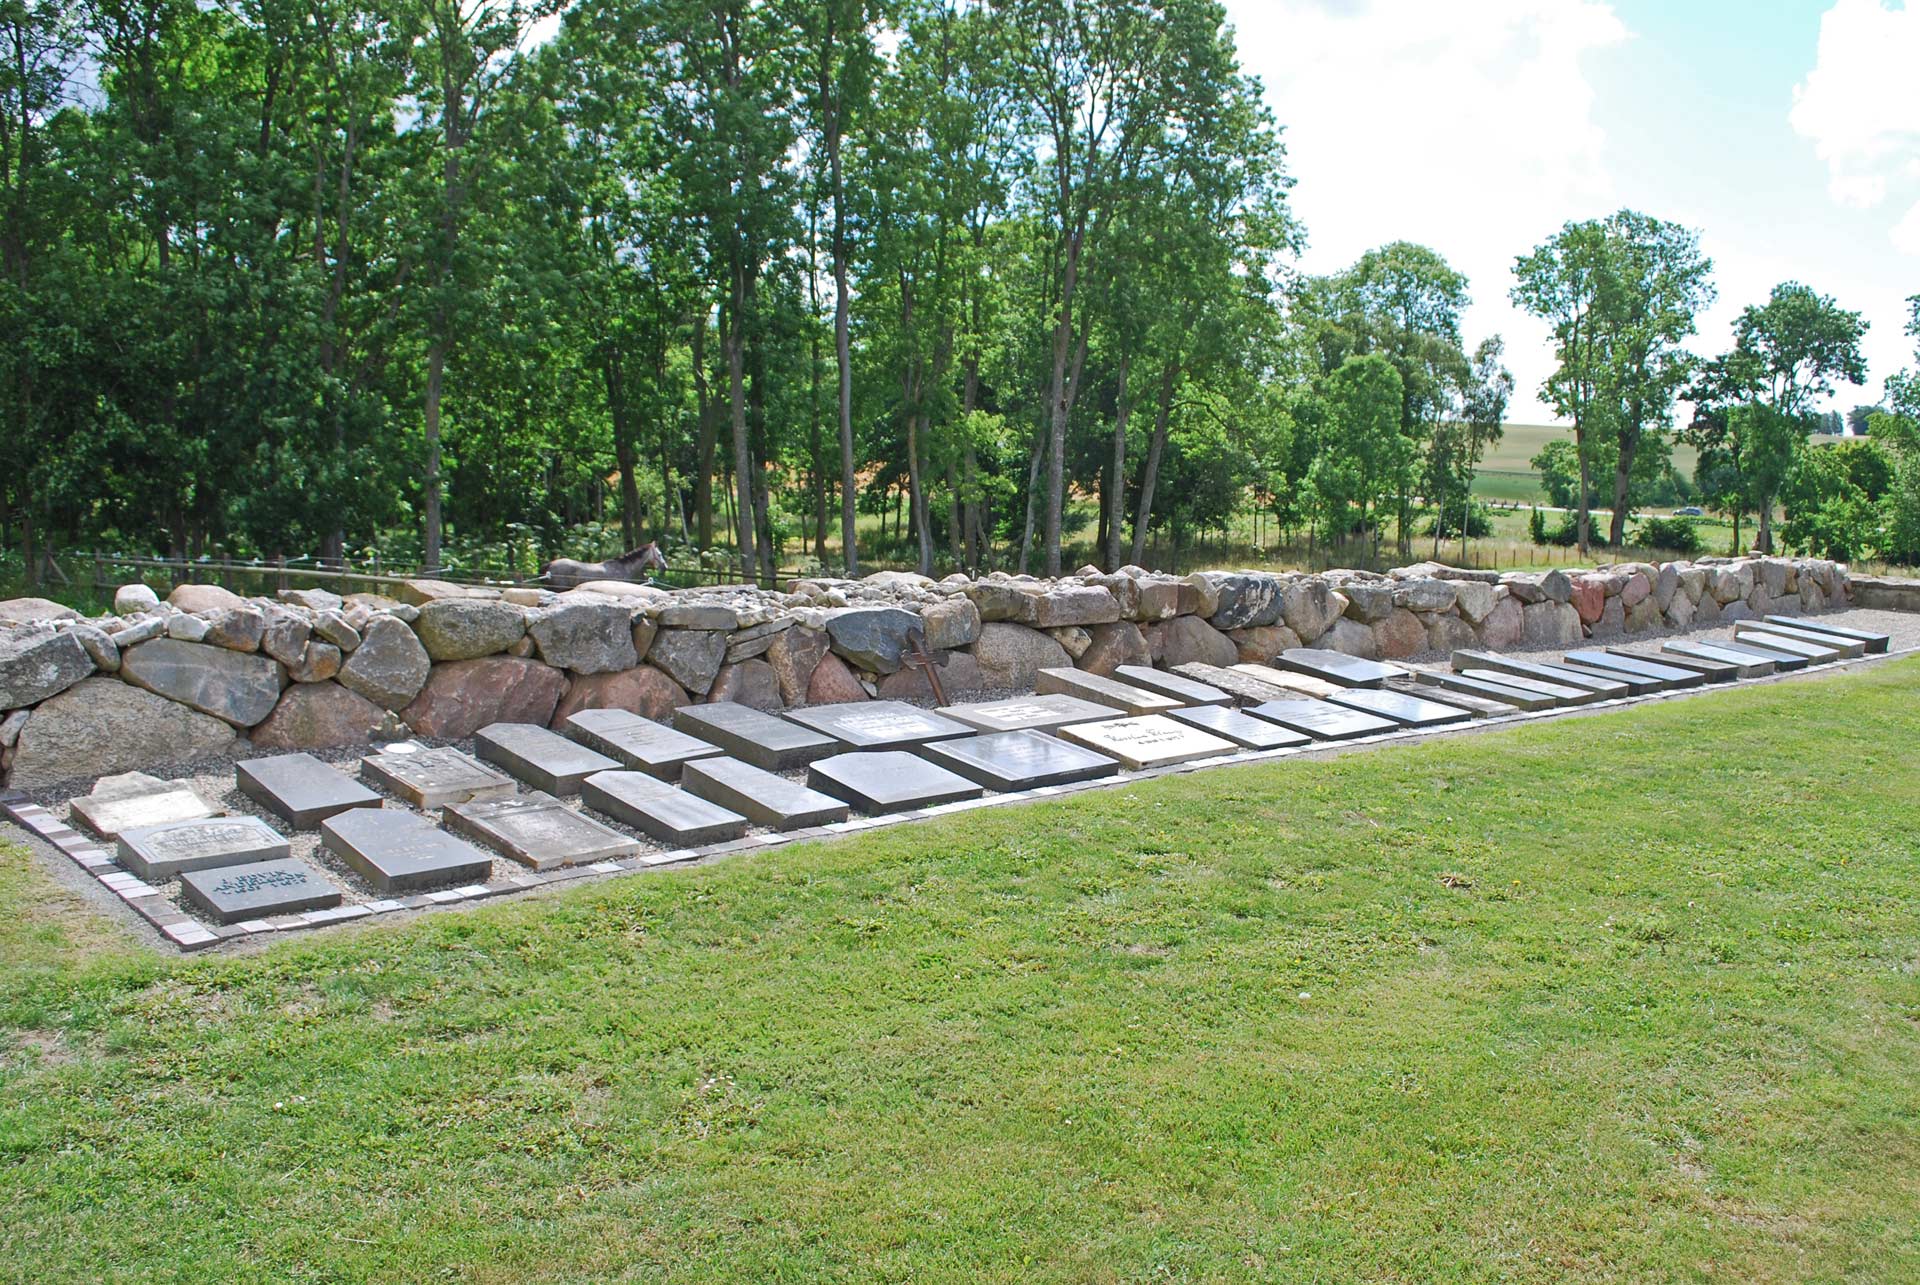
613, 792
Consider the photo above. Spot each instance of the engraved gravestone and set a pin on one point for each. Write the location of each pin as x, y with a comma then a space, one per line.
1241, 729
637, 743
1150, 741
302, 789
539, 830
230, 894
159, 852
543, 759
660, 811
752, 736
1022, 760
134, 799
1181, 688
882, 781
1064, 680
436, 778
1323, 719
399, 851
878, 725
1336, 667
760, 796
1027, 713
1398, 707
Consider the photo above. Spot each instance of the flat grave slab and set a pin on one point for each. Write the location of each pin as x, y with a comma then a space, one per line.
543, 759
302, 789
760, 796
157, 853
1240, 728
637, 743
1473, 706
435, 778
878, 725
754, 737
1608, 687
1323, 720
882, 781
1243, 688
1336, 667
1848, 647
1153, 740
120, 803
1876, 643
1782, 660
1292, 684
539, 831
1064, 680
1022, 760
1634, 684
1746, 664
1715, 671
1648, 668
1562, 692
1027, 713
661, 811
230, 894
398, 851
1398, 707
1513, 696
1181, 688
1763, 636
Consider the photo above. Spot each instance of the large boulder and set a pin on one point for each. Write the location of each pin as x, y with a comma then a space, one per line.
418, 593
1260, 644
1447, 632
1548, 625
318, 664
951, 622
1352, 638
1556, 586
1112, 645
1504, 625
643, 690
1401, 634
1246, 600
1367, 603
833, 683
793, 655
871, 638
1589, 598
463, 696
38, 663
750, 682
202, 599
959, 676
316, 715
1425, 594
585, 636
1475, 600
233, 686
34, 611
469, 628
390, 665
1064, 604
103, 726
690, 657
1637, 589
1012, 656
241, 628
1310, 606
1189, 640
1642, 615
99, 645
130, 598
284, 636
1154, 600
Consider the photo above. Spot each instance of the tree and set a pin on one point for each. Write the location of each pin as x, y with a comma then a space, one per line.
1563, 282
1482, 420
1364, 451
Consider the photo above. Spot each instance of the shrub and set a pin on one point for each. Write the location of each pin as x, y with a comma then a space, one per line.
1677, 535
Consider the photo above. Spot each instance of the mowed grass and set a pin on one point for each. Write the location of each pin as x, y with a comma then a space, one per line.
1623, 998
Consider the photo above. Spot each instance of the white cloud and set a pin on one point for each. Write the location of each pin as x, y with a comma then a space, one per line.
1906, 233
1858, 105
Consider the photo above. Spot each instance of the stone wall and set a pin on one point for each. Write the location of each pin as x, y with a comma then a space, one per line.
169, 682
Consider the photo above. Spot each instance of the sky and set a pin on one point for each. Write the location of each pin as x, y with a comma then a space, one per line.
1785, 132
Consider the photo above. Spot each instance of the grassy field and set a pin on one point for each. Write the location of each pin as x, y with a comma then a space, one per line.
1506, 472
1624, 998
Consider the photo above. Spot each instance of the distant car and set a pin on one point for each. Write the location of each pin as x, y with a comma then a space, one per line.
1691, 511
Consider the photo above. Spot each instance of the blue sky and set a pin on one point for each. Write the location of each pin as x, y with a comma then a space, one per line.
1787, 132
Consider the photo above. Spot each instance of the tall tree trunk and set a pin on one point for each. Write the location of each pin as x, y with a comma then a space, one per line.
1150, 475
732, 341
625, 451
436, 374
1617, 528
843, 348
707, 433
1060, 404
1033, 487
1117, 487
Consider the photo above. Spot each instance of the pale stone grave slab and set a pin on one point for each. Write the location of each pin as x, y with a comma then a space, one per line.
878, 725
754, 737
1022, 760
539, 830
1562, 692
301, 789
230, 894
1876, 643
882, 781
1474, 706
1064, 680
1323, 719
1244, 688
661, 811
399, 851
1513, 696
1850, 648
1028, 713
133, 799
157, 853
1292, 685
1153, 740
1645, 668
1178, 686
639, 744
1336, 667
1608, 687
1746, 664
1240, 728
543, 759
435, 778
1398, 707
1782, 660
760, 796
1766, 636
1715, 671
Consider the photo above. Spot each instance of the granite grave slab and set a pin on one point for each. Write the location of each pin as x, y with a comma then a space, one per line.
1178, 686
878, 725
760, 796
1764, 636
539, 831
543, 759
119, 803
1529, 701
1635, 684
1292, 684
1850, 648
1875, 643
1646, 668
637, 743
1715, 671
1152, 740
1239, 727
435, 778
1782, 660
230, 894
878, 782
1022, 760
1027, 713
301, 789
1562, 692
1746, 664
1398, 707
398, 851
157, 853
661, 811
1336, 667
753, 737
1474, 706
1064, 680
1607, 687
1323, 720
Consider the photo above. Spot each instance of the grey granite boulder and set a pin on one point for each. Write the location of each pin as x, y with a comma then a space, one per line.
390, 665
103, 726
285, 636
237, 628
38, 663
872, 638
129, 598
1310, 606
99, 645
585, 636
1012, 656
690, 657
1245, 599
469, 628
952, 622
230, 685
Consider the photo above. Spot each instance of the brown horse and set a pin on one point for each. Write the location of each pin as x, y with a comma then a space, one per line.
565, 573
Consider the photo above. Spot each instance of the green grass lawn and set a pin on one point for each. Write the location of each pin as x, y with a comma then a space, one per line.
1622, 998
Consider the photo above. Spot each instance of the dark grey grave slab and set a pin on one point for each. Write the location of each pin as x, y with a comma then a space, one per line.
1023, 760
659, 810
1028, 713
1240, 728
1064, 680
1715, 671
1634, 684
1847, 647
1323, 720
1761, 636
1782, 660
1473, 706
754, 737
120, 803
398, 851
230, 894
1514, 696
435, 778
540, 831
1398, 707
1561, 692
878, 725
1181, 688
543, 759
882, 781
157, 853
1336, 667
760, 796
637, 743
1747, 665
1608, 687
302, 789
1876, 643
1152, 740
